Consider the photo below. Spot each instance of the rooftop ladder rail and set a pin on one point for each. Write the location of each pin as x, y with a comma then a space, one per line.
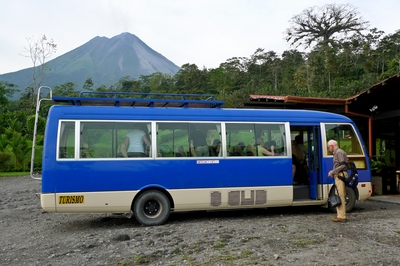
130, 99
38, 102
149, 95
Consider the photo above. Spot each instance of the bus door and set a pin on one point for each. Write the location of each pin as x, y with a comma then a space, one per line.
314, 160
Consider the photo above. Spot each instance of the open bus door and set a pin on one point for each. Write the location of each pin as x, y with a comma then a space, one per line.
314, 160
311, 136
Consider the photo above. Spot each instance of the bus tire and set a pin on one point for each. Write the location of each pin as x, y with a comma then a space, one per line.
350, 200
152, 208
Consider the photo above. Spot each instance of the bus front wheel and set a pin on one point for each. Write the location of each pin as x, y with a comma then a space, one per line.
152, 208
350, 200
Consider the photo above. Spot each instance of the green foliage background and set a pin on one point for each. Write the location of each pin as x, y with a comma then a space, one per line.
338, 69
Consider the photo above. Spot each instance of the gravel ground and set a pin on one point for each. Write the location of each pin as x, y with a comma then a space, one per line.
274, 236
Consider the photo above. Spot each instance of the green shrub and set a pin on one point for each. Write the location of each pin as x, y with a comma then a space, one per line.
5, 162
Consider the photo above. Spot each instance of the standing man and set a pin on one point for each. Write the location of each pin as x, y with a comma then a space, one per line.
339, 156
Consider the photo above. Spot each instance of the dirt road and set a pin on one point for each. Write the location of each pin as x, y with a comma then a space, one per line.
274, 236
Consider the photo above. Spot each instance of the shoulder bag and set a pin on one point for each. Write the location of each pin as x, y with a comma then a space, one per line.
334, 199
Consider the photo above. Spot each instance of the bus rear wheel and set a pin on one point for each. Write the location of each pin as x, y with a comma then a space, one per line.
152, 208
350, 200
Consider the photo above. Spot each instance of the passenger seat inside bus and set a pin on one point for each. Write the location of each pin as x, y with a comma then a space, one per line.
250, 150
236, 150
180, 151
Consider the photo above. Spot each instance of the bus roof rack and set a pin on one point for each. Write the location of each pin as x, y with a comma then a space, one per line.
130, 99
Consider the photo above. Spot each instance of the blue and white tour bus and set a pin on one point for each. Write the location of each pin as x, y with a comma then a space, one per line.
198, 156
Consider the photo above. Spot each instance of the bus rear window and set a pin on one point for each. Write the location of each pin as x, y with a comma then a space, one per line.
67, 140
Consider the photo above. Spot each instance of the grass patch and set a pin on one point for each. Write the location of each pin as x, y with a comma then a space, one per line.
220, 244
246, 253
231, 258
2, 174
137, 260
306, 242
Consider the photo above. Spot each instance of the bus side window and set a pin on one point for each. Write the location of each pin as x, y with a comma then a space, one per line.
204, 139
345, 136
66, 140
172, 139
242, 139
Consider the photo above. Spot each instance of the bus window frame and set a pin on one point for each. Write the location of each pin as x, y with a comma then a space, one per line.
76, 141
325, 144
153, 139
77, 131
286, 137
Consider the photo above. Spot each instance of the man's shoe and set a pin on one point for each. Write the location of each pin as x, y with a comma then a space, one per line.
336, 219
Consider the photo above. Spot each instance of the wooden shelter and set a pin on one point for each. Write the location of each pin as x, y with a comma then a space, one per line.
376, 112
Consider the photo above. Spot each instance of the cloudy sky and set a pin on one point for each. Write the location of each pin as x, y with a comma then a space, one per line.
201, 32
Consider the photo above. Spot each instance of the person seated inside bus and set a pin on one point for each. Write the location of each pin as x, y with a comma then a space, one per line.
180, 151
198, 144
270, 144
302, 148
237, 150
299, 169
250, 150
261, 151
135, 140
215, 148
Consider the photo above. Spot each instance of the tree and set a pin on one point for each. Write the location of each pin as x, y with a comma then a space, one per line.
290, 62
219, 80
389, 53
88, 86
322, 24
15, 126
235, 74
20, 148
6, 90
39, 50
3, 142
191, 80
263, 68
30, 125
66, 89
128, 84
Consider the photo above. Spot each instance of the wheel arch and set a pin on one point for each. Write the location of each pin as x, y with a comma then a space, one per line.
157, 188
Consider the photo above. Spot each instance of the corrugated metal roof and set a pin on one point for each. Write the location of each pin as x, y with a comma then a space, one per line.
298, 99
